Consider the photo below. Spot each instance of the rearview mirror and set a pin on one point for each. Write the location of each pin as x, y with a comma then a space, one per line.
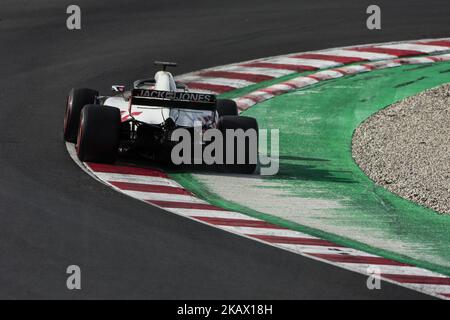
118, 88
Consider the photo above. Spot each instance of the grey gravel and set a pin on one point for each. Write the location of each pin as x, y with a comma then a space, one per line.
406, 148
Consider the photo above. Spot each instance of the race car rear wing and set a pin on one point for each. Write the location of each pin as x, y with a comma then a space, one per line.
179, 100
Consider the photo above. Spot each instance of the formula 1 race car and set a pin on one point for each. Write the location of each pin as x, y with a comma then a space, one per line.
141, 120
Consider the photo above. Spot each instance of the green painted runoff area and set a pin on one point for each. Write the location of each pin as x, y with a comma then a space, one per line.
316, 126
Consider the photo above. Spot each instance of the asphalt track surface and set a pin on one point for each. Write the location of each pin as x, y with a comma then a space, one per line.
53, 215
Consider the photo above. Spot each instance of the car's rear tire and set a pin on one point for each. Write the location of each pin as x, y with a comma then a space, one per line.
76, 100
227, 107
251, 147
98, 134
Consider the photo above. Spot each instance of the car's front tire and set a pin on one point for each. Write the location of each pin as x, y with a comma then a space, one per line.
98, 134
250, 151
76, 100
